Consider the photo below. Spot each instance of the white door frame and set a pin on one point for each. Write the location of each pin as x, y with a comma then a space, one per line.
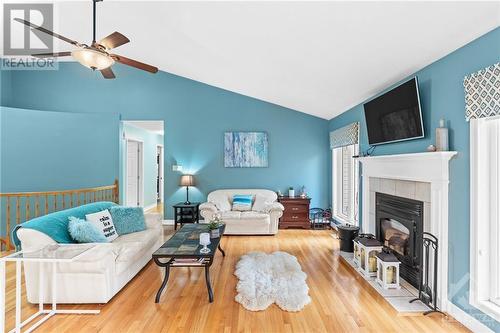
162, 172
140, 196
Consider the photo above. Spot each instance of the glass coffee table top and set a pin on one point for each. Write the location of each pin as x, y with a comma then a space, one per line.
56, 252
186, 242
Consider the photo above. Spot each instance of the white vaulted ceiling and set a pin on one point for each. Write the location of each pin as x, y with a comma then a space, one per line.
320, 58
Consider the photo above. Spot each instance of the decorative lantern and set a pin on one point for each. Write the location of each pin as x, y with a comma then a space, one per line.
368, 249
388, 270
356, 248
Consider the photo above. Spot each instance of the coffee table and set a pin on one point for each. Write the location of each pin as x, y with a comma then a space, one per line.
183, 250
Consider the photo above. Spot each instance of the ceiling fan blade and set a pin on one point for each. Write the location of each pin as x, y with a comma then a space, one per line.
134, 63
51, 55
108, 73
114, 40
42, 29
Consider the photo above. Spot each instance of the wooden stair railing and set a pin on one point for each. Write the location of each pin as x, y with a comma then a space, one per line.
22, 206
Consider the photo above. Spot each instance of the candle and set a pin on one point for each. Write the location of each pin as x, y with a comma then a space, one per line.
390, 275
372, 263
204, 238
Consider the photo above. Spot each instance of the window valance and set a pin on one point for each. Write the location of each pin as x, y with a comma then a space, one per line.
344, 136
482, 93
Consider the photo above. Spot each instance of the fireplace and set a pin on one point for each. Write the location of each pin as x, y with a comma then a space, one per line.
399, 223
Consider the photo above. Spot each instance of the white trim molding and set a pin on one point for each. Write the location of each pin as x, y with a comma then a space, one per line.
484, 211
426, 167
467, 320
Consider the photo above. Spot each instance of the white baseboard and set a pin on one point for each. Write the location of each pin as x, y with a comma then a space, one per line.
467, 320
167, 222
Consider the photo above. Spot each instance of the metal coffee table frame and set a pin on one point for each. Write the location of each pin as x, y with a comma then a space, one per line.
203, 260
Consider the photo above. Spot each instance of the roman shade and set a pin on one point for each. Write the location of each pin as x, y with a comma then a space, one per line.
345, 136
482, 93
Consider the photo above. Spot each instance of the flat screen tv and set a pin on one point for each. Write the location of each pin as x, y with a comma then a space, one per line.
395, 115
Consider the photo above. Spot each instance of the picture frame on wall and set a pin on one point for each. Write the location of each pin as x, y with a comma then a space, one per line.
246, 150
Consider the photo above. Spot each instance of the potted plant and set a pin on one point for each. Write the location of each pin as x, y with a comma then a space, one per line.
214, 226
291, 192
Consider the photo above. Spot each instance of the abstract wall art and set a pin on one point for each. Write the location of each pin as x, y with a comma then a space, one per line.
245, 150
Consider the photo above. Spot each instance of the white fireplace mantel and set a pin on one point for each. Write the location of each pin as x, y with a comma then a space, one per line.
429, 167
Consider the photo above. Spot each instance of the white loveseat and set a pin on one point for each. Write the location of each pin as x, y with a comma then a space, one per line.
253, 222
100, 273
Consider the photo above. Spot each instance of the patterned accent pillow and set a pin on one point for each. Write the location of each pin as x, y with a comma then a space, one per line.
242, 202
103, 221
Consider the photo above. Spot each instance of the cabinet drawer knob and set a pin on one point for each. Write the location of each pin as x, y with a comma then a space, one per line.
295, 217
295, 208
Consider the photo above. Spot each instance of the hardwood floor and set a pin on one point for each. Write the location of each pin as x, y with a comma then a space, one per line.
341, 300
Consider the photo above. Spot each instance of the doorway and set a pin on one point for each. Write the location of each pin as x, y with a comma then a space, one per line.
135, 173
142, 164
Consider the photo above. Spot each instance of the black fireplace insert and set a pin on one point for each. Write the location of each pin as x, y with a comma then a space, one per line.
399, 226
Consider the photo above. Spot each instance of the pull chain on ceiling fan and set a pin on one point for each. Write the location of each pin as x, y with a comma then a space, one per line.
96, 56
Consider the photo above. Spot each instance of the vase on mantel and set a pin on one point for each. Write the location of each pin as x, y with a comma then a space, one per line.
442, 137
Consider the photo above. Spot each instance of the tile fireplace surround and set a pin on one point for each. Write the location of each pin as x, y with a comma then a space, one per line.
418, 176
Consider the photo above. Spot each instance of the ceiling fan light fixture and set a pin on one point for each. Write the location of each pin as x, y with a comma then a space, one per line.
92, 58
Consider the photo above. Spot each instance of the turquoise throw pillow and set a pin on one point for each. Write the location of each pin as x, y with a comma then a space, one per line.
84, 231
128, 219
242, 202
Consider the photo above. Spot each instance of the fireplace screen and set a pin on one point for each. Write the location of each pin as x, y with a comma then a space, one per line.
395, 236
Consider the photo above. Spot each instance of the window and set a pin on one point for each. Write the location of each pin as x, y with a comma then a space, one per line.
485, 215
345, 184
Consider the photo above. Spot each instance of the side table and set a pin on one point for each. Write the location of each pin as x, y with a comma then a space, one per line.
186, 213
52, 254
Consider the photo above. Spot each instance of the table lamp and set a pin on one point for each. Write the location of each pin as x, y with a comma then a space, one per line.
187, 180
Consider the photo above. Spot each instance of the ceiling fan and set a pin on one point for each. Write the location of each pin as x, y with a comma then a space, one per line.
95, 55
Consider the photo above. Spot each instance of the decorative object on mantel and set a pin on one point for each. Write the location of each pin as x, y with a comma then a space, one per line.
482, 93
291, 192
368, 249
388, 270
245, 150
431, 148
442, 136
344, 136
427, 292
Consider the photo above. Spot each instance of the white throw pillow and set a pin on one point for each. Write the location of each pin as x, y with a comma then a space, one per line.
222, 203
260, 203
103, 221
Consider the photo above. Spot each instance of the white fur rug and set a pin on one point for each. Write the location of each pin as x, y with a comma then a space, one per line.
265, 279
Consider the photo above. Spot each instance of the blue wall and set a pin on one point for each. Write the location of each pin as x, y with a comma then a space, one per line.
442, 95
43, 150
195, 116
150, 141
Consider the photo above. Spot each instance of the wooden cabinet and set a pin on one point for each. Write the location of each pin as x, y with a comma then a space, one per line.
296, 214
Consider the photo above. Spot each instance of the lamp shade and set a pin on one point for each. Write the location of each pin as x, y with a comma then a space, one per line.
187, 180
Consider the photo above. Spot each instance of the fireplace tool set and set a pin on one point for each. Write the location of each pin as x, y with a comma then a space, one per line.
427, 289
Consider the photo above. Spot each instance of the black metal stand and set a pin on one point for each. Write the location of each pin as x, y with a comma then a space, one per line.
427, 294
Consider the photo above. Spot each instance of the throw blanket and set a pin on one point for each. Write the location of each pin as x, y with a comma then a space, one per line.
55, 225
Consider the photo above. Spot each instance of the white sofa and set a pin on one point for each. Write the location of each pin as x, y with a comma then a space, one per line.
100, 273
263, 222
